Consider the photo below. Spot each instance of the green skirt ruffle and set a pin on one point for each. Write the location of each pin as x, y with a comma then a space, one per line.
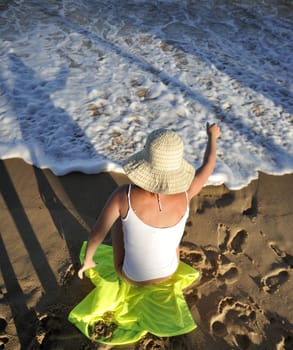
117, 313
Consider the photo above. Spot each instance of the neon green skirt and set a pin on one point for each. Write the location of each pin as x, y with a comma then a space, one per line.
117, 313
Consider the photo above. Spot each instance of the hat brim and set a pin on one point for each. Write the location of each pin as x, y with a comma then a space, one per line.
142, 174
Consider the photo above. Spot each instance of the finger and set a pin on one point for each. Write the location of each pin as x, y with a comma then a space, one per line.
80, 274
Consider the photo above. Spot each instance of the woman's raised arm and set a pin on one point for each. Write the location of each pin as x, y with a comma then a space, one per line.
209, 161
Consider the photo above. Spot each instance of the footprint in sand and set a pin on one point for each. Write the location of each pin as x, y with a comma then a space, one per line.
205, 260
3, 324
223, 236
273, 281
193, 256
280, 253
252, 210
3, 339
235, 321
46, 330
211, 263
234, 243
237, 242
150, 341
228, 273
68, 275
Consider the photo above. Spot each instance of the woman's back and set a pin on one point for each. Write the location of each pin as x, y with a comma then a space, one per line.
151, 247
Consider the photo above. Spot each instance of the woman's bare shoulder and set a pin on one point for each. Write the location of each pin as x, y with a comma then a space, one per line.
120, 195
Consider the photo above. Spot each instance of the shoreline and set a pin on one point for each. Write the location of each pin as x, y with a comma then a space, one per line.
241, 241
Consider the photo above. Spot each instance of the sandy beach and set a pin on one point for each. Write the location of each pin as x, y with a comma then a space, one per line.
240, 240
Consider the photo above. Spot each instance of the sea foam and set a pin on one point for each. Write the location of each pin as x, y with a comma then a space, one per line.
83, 82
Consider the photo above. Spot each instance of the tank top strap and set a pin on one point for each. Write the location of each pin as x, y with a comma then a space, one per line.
187, 201
128, 196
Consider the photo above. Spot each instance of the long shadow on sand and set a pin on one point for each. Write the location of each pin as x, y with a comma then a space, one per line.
23, 317
63, 292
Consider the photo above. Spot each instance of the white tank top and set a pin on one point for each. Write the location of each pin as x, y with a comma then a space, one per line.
150, 252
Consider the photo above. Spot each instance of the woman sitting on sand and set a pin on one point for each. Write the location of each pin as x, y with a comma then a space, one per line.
154, 210
143, 292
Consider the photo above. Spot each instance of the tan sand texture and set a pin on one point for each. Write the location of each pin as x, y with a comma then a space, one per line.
240, 240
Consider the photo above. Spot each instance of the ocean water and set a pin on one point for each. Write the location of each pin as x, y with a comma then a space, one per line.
82, 83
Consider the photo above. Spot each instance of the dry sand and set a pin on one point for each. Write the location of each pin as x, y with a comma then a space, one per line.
241, 240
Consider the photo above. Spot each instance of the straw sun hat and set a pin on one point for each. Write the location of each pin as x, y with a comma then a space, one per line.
160, 166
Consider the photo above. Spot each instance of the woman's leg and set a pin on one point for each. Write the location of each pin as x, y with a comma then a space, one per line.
118, 246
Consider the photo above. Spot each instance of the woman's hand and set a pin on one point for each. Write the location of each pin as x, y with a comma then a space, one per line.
85, 267
213, 130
